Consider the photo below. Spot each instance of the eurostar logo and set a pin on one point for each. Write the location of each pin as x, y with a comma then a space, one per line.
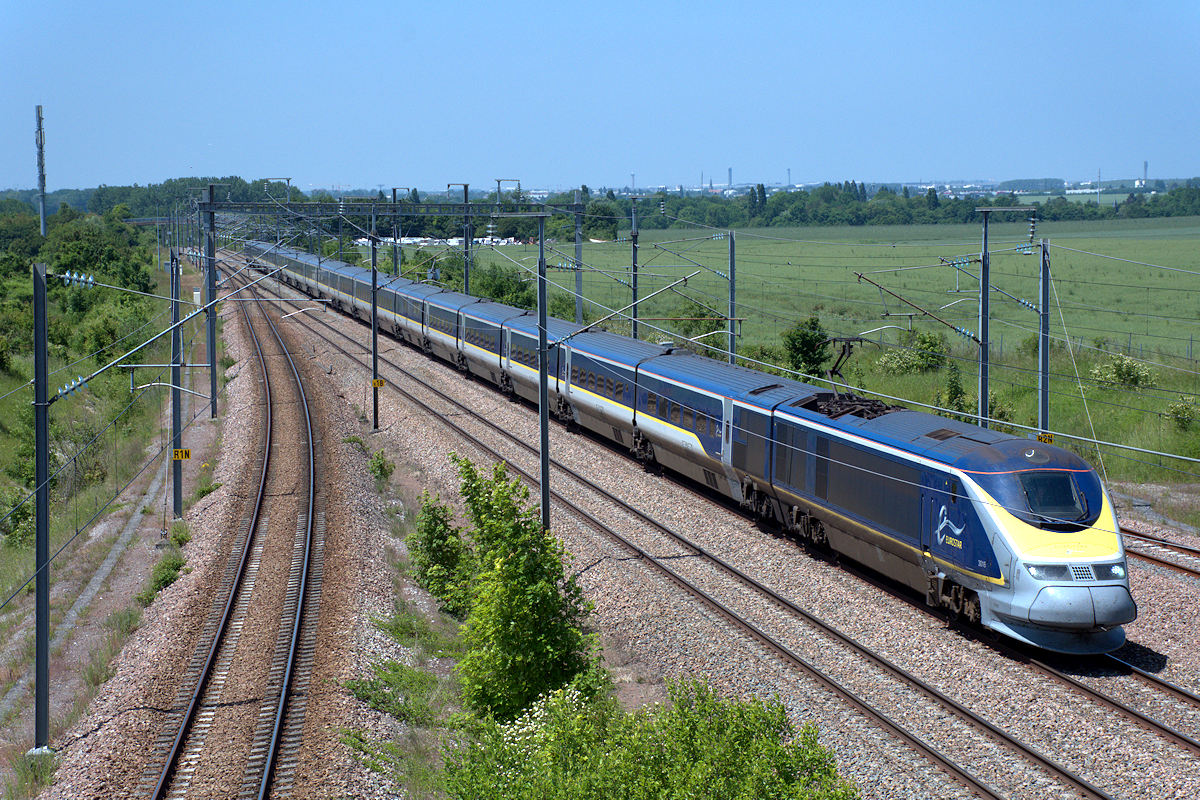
943, 523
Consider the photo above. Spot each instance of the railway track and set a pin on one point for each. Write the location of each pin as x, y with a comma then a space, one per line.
1156, 550
780, 649
196, 755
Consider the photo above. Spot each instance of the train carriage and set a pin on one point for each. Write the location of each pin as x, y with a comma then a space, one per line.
1015, 534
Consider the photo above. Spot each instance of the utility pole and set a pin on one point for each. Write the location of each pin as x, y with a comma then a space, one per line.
633, 311
1044, 340
374, 326
41, 434
210, 254
543, 377
41, 161
466, 235
732, 299
578, 258
176, 400
985, 293
395, 235
985, 296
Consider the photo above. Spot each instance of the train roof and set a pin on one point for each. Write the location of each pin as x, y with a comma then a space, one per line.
744, 385
555, 328
452, 301
603, 344
491, 311
935, 437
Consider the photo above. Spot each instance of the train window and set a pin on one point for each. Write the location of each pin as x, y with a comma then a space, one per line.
1053, 494
574, 374
675, 413
608, 387
953, 492
619, 390
702, 423
652, 404
685, 419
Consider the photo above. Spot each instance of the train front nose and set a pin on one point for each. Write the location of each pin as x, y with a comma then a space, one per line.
1082, 607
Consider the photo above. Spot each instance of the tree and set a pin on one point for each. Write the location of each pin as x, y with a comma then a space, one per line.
932, 201
600, 220
805, 346
524, 633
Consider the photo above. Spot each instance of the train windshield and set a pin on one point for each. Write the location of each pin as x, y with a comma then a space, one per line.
1054, 496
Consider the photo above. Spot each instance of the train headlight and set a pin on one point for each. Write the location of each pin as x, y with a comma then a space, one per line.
1109, 572
1049, 572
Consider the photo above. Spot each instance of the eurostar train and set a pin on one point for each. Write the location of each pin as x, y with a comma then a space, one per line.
1012, 534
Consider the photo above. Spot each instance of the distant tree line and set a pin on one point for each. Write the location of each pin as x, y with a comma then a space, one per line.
847, 203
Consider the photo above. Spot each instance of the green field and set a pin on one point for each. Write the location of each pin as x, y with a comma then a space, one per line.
1107, 197
1107, 301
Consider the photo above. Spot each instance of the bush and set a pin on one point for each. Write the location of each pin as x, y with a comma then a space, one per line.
380, 467
763, 354
1123, 371
1183, 413
19, 528
524, 632
920, 351
180, 535
442, 562
165, 572
701, 747
806, 347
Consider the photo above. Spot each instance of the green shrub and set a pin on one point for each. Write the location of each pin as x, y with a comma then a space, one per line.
180, 535
920, 351
20, 527
524, 632
765, 354
701, 747
1123, 371
1183, 413
165, 572
442, 562
805, 346
206, 488
380, 467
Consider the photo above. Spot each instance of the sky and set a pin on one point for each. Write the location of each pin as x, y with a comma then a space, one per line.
367, 94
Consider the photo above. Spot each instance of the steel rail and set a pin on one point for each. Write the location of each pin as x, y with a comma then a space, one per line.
1020, 655
173, 754
1080, 783
284, 693
1176, 546
1182, 549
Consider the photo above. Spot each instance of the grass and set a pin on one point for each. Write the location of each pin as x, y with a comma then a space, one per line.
82, 488
30, 774
180, 535
165, 572
1108, 305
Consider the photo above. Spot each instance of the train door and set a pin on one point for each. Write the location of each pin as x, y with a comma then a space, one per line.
566, 369
735, 486
943, 518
